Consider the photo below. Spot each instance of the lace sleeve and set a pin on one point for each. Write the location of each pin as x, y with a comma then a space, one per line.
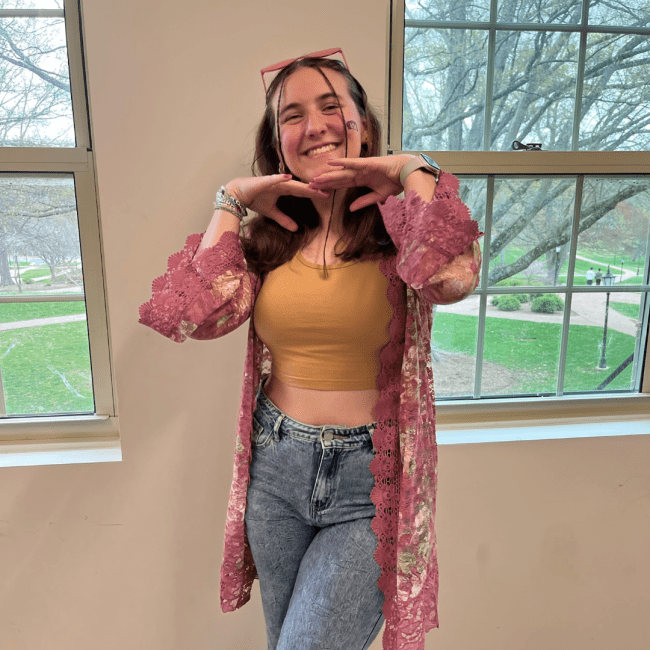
437, 249
202, 298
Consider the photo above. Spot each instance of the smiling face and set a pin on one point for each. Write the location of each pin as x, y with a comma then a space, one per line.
311, 129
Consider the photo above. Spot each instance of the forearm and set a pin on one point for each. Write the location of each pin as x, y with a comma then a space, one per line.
422, 182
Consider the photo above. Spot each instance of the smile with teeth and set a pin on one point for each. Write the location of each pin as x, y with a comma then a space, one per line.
324, 149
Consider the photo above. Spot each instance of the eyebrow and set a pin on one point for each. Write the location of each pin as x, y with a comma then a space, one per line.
321, 98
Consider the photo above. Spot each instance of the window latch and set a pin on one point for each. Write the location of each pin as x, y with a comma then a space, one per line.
530, 146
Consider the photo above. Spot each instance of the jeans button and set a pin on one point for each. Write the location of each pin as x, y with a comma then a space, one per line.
328, 435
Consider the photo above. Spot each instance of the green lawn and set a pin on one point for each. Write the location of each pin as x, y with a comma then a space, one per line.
513, 253
34, 274
532, 350
46, 369
625, 308
11, 312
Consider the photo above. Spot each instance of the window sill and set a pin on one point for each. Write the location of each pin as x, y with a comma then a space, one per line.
549, 419
59, 441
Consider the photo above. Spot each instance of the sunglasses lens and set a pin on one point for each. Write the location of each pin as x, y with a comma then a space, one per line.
272, 71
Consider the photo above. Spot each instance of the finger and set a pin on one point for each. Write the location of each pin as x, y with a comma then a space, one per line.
351, 163
296, 188
282, 219
336, 180
365, 200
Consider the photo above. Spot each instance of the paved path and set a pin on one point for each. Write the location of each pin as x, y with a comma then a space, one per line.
586, 309
616, 270
36, 322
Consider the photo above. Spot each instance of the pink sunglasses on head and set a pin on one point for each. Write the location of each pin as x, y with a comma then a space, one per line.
266, 72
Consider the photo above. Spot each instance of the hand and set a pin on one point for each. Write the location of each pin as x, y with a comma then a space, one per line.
380, 174
261, 193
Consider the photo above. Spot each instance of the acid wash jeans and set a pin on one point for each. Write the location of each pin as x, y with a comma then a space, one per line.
308, 521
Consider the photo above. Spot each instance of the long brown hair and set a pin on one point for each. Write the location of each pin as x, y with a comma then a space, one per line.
268, 245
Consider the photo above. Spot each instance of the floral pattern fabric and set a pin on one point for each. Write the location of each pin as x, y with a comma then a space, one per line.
438, 262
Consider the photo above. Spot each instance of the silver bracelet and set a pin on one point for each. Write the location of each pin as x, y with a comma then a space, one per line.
230, 204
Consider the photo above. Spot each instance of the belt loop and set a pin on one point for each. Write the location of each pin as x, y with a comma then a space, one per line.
276, 427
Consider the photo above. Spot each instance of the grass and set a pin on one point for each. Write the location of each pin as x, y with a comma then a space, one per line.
11, 312
36, 363
532, 351
626, 308
34, 274
513, 253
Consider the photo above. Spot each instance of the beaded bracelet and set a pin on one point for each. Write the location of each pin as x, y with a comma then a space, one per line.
230, 204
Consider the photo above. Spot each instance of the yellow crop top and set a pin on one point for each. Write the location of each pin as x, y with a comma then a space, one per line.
324, 334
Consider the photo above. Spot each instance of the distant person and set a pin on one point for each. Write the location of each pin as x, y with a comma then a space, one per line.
590, 275
599, 276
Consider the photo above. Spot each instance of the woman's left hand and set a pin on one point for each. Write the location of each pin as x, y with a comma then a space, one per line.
380, 174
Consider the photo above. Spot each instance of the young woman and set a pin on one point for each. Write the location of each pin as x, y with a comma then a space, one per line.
332, 502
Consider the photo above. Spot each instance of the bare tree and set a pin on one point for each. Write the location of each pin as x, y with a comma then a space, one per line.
533, 99
35, 102
37, 217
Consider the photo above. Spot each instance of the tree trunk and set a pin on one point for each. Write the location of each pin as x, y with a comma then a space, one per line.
5, 273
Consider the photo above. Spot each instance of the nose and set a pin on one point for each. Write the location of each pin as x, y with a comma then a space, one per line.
316, 123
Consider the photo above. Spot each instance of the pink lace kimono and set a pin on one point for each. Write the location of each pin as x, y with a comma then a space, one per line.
438, 261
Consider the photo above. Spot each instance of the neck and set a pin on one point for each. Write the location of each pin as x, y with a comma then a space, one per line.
329, 213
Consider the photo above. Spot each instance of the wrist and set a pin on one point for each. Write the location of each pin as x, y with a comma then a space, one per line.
233, 189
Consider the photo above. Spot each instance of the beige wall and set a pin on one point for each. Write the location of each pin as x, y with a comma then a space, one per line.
542, 544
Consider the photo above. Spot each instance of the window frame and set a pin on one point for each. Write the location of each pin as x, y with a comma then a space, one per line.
514, 413
53, 439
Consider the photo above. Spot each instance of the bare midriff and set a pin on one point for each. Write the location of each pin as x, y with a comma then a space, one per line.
347, 408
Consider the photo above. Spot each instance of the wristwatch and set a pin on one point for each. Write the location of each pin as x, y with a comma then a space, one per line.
423, 162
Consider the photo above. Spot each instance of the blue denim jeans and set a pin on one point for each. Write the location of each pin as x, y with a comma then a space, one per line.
308, 521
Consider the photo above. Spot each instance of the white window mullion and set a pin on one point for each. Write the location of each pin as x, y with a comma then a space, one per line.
566, 321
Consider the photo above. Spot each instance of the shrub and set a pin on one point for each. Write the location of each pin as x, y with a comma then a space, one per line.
547, 303
522, 297
495, 300
509, 303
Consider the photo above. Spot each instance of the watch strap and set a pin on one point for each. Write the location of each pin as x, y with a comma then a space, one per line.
421, 161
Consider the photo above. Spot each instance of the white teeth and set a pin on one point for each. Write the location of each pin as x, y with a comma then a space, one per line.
327, 147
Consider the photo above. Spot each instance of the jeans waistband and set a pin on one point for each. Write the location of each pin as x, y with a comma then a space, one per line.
348, 436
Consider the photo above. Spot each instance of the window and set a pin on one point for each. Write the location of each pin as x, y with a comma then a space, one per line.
560, 319
55, 373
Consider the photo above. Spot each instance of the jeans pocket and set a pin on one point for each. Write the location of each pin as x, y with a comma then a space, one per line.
261, 435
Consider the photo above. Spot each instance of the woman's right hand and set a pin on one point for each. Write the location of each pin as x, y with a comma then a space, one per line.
261, 194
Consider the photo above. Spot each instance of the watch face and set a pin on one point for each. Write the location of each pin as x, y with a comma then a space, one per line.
430, 161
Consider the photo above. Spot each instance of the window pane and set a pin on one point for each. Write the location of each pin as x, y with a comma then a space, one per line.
444, 89
44, 354
44, 358
602, 341
526, 344
35, 100
614, 219
463, 10
534, 89
568, 12
616, 94
39, 241
531, 230
623, 13
473, 192
453, 347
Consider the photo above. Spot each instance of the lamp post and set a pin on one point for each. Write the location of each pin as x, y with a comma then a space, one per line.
608, 281
622, 261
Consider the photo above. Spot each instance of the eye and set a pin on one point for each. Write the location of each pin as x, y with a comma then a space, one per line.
289, 118
332, 107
